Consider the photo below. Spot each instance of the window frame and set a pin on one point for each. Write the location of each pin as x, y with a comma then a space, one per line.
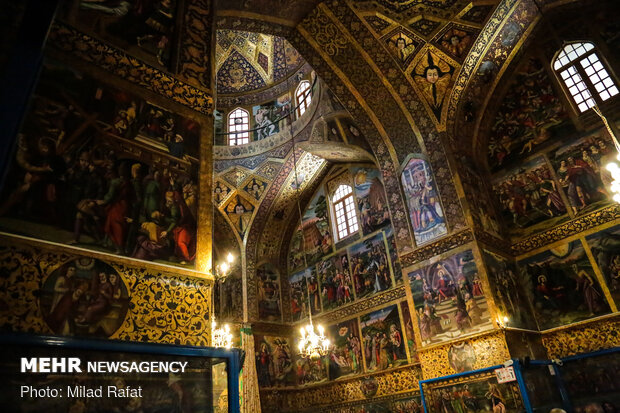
303, 98
576, 63
344, 213
233, 135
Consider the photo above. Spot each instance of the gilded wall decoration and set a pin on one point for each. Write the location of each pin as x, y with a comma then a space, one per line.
436, 248
345, 357
456, 40
476, 14
488, 350
128, 68
239, 211
583, 338
377, 23
403, 45
388, 383
575, 226
424, 26
221, 190
195, 50
50, 292
104, 169
255, 187
433, 77
269, 294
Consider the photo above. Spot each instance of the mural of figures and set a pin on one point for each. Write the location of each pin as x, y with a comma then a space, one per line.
433, 76
314, 237
310, 371
461, 357
391, 241
334, 276
449, 300
529, 198
345, 356
271, 117
480, 395
409, 334
299, 294
563, 286
425, 209
457, 41
593, 383
84, 297
402, 45
507, 288
371, 200
370, 266
605, 247
409, 405
145, 29
383, 341
220, 192
274, 361
239, 210
255, 187
483, 211
530, 116
269, 304
125, 184
229, 297
580, 167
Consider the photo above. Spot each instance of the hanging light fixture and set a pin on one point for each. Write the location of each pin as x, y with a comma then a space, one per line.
612, 167
311, 344
221, 337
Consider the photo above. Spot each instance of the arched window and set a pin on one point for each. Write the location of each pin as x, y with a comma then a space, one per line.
344, 211
303, 96
238, 127
582, 71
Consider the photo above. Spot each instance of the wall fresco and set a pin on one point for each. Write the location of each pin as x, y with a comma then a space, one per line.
274, 361
530, 116
562, 286
384, 345
299, 294
345, 356
269, 302
371, 200
605, 247
271, 117
529, 198
425, 211
335, 280
433, 76
370, 266
408, 329
103, 169
449, 300
507, 289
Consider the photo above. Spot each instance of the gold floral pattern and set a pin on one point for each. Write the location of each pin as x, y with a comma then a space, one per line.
583, 338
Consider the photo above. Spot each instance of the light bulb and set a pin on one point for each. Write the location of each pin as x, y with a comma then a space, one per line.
321, 329
230, 258
224, 267
505, 319
611, 166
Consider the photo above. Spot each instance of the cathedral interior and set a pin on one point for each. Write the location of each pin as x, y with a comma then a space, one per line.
347, 206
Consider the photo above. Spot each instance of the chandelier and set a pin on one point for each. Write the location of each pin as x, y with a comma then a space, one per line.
311, 344
220, 337
612, 166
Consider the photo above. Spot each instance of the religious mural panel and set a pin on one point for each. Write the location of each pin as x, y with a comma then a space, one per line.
562, 285
255, 187
269, 303
314, 235
84, 297
371, 200
239, 211
425, 211
299, 294
529, 198
449, 300
605, 247
580, 168
384, 346
334, 277
457, 40
274, 361
345, 356
391, 242
507, 288
310, 371
145, 29
402, 44
433, 77
229, 297
461, 357
482, 393
530, 116
409, 333
103, 169
370, 266
271, 117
